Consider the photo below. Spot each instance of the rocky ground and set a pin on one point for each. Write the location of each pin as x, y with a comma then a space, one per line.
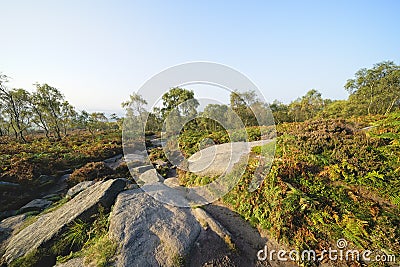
219, 159
148, 232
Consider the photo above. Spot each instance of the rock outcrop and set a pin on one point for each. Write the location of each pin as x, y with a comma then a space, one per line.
38, 204
77, 262
149, 232
43, 232
7, 227
73, 191
114, 162
219, 159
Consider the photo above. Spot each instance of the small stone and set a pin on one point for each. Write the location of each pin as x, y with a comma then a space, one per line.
160, 163
65, 177
172, 182
35, 205
46, 180
151, 176
8, 185
73, 191
49, 227
77, 262
113, 159
142, 169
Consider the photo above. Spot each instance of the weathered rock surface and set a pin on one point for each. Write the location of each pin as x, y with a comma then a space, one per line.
77, 262
7, 227
73, 191
151, 176
114, 162
204, 218
36, 205
48, 227
150, 233
7, 213
13, 222
160, 163
45, 180
172, 182
113, 159
8, 185
142, 169
220, 159
136, 159
156, 142
65, 177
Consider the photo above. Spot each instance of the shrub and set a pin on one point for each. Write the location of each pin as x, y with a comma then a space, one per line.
91, 171
329, 180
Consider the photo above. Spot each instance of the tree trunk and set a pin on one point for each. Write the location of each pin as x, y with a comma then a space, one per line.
370, 99
22, 136
42, 122
58, 132
391, 106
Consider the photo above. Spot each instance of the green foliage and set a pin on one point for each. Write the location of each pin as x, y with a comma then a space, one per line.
375, 90
192, 180
336, 109
14, 105
92, 122
241, 103
178, 261
55, 205
306, 107
212, 117
313, 192
181, 100
76, 236
280, 112
100, 251
43, 111
33, 258
88, 239
51, 112
23, 162
329, 180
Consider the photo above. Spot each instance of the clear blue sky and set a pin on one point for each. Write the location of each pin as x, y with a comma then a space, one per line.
97, 52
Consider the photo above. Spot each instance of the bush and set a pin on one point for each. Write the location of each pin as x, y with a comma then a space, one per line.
329, 180
91, 171
24, 162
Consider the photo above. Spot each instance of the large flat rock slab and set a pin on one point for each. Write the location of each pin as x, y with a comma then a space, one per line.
48, 227
149, 232
220, 159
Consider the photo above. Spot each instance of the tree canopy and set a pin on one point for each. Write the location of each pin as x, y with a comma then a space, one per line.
375, 90
45, 109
